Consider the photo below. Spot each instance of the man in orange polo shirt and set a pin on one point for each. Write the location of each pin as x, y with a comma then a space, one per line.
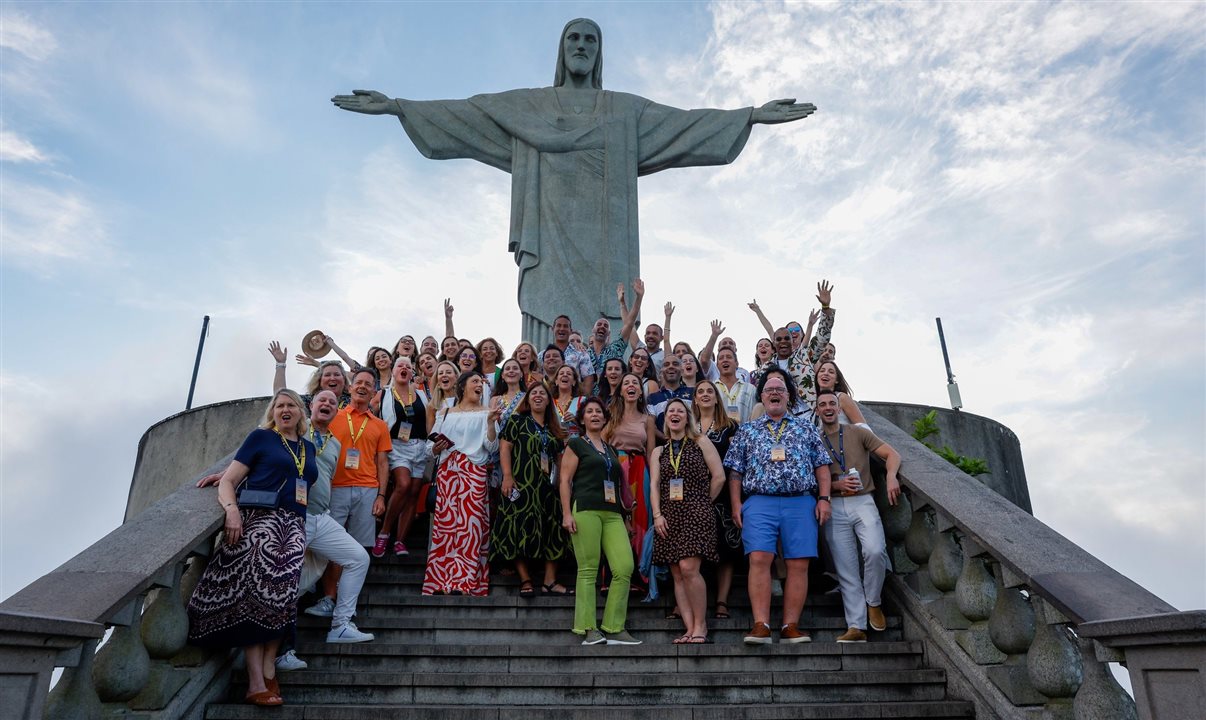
362, 472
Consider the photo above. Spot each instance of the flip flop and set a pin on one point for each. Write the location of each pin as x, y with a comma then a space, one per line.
721, 614
551, 589
685, 639
699, 640
674, 615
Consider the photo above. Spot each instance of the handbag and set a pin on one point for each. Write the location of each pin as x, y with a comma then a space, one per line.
258, 499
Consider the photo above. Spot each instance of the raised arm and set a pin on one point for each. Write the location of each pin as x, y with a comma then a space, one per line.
449, 331
706, 355
766, 324
278, 354
813, 348
667, 346
352, 364
630, 314
812, 322
775, 111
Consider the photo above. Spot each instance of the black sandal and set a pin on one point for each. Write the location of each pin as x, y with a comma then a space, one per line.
526, 589
722, 611
673, 615
551, 589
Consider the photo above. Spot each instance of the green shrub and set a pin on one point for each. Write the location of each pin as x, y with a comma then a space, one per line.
926, 426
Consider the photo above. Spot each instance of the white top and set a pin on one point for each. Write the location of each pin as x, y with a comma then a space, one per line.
467, 430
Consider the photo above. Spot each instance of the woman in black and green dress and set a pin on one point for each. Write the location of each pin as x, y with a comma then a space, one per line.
528, 525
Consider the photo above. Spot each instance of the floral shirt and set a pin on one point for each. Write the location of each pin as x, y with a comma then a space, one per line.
613, 349
750, 453
580, 361
801, 365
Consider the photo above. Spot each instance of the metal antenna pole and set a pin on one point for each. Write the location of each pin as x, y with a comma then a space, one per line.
952, 387
188, 405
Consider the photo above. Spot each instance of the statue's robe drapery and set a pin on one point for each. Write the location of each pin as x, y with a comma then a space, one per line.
574, 170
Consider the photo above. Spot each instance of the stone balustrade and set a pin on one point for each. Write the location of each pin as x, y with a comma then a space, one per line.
135, 582
1024, 620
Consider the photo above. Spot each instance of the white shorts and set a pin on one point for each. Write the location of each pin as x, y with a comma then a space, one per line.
411, 455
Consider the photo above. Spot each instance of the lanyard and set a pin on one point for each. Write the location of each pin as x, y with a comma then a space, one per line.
299, 463
406, 406
841, 454
320, 441
731, 395
775, 435
356, 434
675, 462
606, 456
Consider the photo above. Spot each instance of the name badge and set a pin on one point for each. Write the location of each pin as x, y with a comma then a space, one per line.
404, 431
778, 453
609, 491
352, 460
301, 491
676, 488
734, 411
544, 463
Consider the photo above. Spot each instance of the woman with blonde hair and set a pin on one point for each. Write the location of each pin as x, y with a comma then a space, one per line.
714, 422
686, 475
329, 375
566, 398
529, 362
248, 594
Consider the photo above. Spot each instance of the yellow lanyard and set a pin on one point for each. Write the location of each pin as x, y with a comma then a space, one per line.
299, 463
732, 396
675, 461
776, 436
405, 405
356, 434
319, 445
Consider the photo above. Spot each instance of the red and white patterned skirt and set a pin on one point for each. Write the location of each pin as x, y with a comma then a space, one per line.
459, 529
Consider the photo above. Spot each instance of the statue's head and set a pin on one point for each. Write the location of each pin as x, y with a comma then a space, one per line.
580, 52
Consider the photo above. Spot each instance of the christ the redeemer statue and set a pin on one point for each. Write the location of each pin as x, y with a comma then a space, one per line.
574, 152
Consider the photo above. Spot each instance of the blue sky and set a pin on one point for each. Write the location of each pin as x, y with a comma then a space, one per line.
1032, 173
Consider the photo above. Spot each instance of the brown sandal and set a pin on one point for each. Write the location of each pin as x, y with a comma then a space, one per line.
265, 698
722, 611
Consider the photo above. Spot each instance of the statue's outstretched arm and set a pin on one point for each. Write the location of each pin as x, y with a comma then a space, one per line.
780, 111
369, 102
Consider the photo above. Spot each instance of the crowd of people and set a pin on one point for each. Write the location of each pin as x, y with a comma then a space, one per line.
634, 459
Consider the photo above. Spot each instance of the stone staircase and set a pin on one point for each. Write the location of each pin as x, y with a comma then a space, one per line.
504, 656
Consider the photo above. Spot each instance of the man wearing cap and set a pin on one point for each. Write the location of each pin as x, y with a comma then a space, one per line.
855, 522
779, 462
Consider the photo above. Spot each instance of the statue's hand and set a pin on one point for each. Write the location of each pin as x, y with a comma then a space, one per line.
781, 111
369, 102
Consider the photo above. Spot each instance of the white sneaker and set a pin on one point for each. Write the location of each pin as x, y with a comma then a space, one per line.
290, 661
348, 634
322, 608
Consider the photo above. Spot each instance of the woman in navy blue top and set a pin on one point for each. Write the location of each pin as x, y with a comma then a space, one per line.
248, 594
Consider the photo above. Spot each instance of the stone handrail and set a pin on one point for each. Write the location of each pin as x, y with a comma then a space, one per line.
1024, 618
133, 580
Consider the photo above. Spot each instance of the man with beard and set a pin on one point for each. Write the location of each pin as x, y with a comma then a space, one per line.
601, 347
856, 523
779, 462
801, 361
671, 380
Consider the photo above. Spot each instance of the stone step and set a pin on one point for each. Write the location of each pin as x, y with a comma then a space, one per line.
555, 630
648, 657
576, 689
933, 710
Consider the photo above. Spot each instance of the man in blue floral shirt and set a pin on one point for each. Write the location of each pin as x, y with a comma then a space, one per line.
779, 461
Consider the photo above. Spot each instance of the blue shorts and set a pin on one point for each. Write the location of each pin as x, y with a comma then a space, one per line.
767, 520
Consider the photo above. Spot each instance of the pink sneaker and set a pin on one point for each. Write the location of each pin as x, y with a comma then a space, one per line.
379, 546
400, 548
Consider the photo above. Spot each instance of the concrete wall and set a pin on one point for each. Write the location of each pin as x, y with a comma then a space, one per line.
974, 436
175, 449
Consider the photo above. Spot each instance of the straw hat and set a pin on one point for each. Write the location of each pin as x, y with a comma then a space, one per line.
315, 344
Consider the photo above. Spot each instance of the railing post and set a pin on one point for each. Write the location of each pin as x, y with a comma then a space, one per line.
1011, 627
946, 563
164, 633
1054, 660
1100, 695
74, 697
122, 665
919, 545
976, 594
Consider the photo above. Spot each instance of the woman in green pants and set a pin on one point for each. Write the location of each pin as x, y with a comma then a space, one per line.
590, 511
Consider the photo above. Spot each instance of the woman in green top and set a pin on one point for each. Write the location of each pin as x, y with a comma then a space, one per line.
527, 527
590, 512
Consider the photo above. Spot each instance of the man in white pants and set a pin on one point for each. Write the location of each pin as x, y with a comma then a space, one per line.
326, 540
855, 521
325, 537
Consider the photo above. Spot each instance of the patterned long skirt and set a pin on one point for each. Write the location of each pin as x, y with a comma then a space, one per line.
248, 593
459, 528
638, 481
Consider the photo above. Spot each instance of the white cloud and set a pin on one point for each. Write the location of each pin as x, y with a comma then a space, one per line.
14, 148
20, 33
43, 228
